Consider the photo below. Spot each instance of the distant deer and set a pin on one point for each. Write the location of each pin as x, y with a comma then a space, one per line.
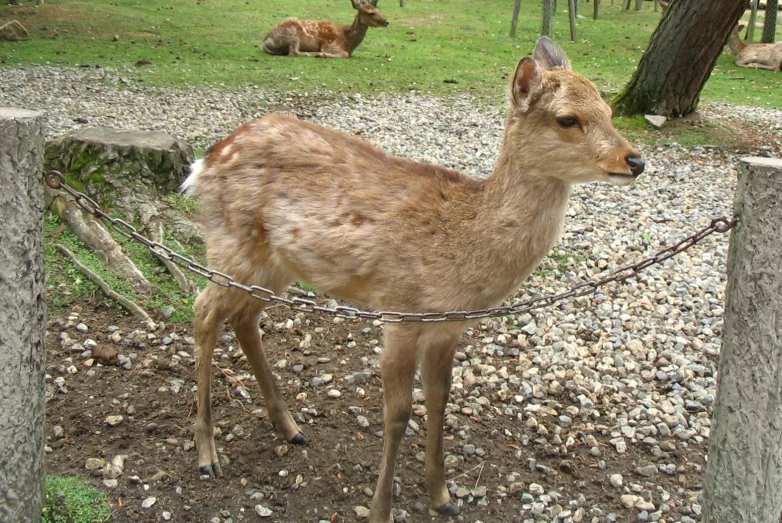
286, 200
760, 56
296, 37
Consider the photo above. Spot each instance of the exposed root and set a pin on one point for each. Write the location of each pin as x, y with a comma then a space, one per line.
155, 230
94, 235
129, 305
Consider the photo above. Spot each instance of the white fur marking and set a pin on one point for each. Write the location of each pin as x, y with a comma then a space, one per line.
190, 184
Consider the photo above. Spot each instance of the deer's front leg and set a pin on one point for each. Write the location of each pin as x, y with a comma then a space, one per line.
398, 369
294, 49
334, 52
436, 366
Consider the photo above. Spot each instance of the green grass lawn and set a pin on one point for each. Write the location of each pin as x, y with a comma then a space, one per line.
70, 500
441, 47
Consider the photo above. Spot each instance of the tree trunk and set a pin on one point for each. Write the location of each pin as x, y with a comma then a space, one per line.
549, 9
515, 22
679, 59
572, 14
23, 320
639, 5
770, 22
743, 481
753, 16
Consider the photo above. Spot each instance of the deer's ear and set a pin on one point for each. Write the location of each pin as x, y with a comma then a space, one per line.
549, 55
356, 3
526, 82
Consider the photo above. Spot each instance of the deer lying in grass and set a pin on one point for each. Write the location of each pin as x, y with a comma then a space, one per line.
296, 37
284, 199
759, 56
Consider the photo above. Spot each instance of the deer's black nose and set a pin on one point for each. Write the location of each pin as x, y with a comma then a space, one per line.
636, 164
386, 24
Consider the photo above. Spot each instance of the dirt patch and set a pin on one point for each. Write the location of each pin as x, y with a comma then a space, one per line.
323, 480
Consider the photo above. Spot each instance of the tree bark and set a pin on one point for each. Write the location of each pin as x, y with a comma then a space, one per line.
23, 317
770, 22
744, 473
679, 59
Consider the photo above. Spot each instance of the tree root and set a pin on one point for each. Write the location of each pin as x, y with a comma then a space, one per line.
151, 221
129, 305
155, 229
93, 234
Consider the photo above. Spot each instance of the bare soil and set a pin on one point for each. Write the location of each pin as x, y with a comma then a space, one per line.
322, 480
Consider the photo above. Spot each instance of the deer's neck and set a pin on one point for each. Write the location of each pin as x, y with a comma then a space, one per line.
355, 34
735, 43
524, 207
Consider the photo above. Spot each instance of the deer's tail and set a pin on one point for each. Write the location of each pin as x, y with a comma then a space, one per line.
190, 186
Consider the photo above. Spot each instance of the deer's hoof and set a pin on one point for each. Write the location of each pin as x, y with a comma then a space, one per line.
299, 439
449, 509
212, 471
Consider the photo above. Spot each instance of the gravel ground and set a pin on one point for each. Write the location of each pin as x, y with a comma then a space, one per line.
632, 368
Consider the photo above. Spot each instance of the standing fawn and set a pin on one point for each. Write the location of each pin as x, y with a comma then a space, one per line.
759, 56
286, 200
296, 37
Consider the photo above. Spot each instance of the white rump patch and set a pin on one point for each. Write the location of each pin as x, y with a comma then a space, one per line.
189, 186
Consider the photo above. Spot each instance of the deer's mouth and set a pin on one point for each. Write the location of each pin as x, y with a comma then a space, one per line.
621, 178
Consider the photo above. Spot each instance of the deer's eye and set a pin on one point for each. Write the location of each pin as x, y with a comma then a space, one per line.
568, 121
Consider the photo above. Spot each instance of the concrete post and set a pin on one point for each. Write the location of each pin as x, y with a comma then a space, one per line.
744, 472
22, 316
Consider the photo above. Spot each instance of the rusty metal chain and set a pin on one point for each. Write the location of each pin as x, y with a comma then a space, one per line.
56, 180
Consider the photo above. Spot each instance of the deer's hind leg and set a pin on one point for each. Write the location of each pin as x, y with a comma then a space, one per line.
245, 325
213, 306
207, 323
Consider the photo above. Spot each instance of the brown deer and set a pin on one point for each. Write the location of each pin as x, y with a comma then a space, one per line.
759, 56
284, 199
296, 37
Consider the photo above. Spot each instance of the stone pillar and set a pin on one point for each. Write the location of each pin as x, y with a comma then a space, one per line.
744, 472
22, 316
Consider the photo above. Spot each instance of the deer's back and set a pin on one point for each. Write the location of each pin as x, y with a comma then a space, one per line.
763, 51
313, 35
337, 211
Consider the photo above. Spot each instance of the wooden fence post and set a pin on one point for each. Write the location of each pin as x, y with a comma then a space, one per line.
23, 316
744, 472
